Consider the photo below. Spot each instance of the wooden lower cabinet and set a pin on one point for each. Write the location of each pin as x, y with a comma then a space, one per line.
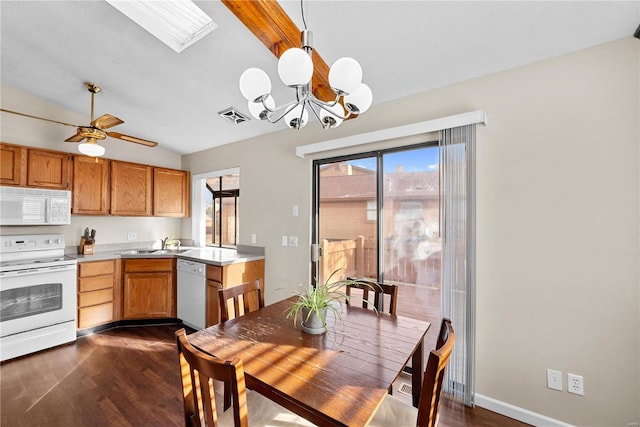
228, 276
98, 293
145, 288
149, 288
213, 306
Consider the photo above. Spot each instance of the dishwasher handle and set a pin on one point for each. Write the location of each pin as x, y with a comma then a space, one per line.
191, 267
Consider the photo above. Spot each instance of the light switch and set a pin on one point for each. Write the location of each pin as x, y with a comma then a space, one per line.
293, 241
284, 240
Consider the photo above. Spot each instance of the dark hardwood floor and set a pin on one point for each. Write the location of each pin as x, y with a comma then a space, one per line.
125, 377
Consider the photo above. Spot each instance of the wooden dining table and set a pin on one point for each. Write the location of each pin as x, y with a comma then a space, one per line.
337, 378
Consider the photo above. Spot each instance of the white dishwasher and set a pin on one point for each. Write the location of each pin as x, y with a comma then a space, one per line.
192, 289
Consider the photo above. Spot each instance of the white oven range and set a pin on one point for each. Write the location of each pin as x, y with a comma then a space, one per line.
37, 294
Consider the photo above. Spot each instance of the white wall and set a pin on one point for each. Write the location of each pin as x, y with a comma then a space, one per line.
36, 133
558, 245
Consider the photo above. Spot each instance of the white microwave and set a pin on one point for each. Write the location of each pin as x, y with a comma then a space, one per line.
34, 206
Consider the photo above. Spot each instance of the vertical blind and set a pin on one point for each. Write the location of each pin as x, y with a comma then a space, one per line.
457, 175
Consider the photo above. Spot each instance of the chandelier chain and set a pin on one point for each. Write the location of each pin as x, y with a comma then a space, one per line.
304, 22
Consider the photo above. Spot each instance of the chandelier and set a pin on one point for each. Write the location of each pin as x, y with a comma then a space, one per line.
295, 68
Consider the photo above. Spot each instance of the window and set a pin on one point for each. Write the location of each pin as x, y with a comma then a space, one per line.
215, 198
222, 204
372, 210
411, 210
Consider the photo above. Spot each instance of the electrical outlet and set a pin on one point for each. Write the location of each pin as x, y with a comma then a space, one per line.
295, 210
132, 235
554, 379
285, 240
575, 384
253, 239
293, 241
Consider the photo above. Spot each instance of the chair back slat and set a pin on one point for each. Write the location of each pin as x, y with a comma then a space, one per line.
199, 370
379, 290
237, 292
432, 384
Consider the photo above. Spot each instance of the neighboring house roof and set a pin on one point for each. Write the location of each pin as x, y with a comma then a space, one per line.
405, 185
343, 169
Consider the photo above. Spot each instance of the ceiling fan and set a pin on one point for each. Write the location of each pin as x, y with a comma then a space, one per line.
96, 129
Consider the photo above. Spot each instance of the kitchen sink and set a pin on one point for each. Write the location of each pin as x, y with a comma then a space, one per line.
153, 251
169, 251
138, 252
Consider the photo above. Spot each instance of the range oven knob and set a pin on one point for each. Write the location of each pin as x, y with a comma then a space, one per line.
47, 242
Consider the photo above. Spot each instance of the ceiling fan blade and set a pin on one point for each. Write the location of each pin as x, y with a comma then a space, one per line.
106, 121
36, 117
129, 138
75, 138
273, 27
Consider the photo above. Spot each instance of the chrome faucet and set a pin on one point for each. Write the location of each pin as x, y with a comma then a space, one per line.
175, 242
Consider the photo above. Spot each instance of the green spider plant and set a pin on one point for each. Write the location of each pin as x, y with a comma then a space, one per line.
320, 299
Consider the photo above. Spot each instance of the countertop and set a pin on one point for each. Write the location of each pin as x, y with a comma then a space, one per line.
205, 255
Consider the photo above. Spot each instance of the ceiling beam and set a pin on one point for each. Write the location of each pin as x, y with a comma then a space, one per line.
273, 27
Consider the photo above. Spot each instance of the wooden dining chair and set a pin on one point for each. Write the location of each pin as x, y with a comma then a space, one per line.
199, 370
379, 290
237, 292
394, 411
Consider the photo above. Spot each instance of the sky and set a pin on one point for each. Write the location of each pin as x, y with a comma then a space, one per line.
418, 160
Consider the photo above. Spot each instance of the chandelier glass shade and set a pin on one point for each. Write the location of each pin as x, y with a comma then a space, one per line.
295, 69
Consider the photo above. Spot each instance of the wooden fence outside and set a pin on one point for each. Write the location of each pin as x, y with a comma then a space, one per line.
358, 258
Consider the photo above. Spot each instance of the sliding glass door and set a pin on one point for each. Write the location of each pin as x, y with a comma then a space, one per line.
347, 213
378, 217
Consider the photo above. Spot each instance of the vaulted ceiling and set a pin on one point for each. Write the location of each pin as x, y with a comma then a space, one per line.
50, 49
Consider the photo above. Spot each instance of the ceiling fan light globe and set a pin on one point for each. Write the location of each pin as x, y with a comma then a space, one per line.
295, 67
345, 75
258, 110
91, 148
254, 84
293, 119
360, 100
333, 118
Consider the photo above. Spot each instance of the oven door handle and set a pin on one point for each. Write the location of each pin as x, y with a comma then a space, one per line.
41, 270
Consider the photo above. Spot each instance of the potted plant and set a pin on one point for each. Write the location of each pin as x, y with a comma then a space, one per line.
316, 302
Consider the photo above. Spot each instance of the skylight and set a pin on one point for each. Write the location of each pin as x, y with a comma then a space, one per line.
177, 23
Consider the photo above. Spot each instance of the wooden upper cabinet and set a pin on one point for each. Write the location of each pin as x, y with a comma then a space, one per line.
171, 192
131, 186
48, 169
90, 186
13, 165
99, 186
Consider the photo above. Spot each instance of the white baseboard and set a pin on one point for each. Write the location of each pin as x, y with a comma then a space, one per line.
517, 413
